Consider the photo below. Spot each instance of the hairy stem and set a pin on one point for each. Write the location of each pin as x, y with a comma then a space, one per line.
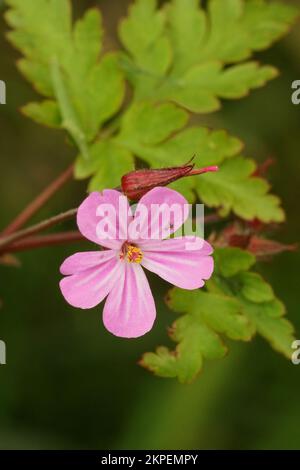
38, 202
40, 241
5, 242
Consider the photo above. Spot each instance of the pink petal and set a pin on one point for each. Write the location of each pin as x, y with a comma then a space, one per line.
85, 260
188, 242
87, 288
182, 267
103, 208
156, 224
129, 310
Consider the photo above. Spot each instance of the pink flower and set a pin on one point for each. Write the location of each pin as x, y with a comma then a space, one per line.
117, 272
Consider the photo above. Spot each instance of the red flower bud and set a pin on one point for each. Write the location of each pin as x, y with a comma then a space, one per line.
138, 182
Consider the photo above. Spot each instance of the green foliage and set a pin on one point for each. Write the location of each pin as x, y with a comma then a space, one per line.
179, 59
194, 75
45, 113
235, 188
238, 303
230, 261
115, 162
152, 133
156, 134
143, 34
62, 61
230, 32
180, 53
197, 333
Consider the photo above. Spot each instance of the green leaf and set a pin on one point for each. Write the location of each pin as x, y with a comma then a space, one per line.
107, 163
88, 36
231, 261
236, 28
234, 188
196, 342
219, 312
142, 33
187, 29
148, 125
152, 133
40, 40
149, 131
70, 120
238, 304
278, 331
46, 113
258, 303
197, 333
61, 60
202, 43
200, 87
254, 288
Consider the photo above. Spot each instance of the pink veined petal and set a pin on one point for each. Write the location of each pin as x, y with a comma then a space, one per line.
103, 218
165, 212
85, 260
188, 242
181, 267
88, 288
129, 311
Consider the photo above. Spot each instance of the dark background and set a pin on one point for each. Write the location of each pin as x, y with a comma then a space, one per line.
68, 383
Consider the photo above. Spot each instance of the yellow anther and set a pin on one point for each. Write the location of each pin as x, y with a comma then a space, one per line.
132, 254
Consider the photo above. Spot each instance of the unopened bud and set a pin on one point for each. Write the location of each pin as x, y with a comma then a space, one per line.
137, 183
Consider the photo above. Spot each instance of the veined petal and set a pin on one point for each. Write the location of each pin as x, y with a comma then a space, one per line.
158, 214
103, 218
129, 311
179, 265
87, 288
186, 243
85, 260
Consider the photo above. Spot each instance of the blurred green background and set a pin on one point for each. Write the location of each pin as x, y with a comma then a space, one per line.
68, 383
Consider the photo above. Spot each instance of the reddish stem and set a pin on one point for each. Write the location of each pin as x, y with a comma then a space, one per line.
5, 242
46, 240
38, 202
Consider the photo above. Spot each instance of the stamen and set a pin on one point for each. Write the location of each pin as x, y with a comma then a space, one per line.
131, 254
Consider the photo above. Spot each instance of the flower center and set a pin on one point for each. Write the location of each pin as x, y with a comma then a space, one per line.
131, 253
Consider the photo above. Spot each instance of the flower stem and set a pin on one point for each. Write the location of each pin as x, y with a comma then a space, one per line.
38, 202
5, 242
40, 241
